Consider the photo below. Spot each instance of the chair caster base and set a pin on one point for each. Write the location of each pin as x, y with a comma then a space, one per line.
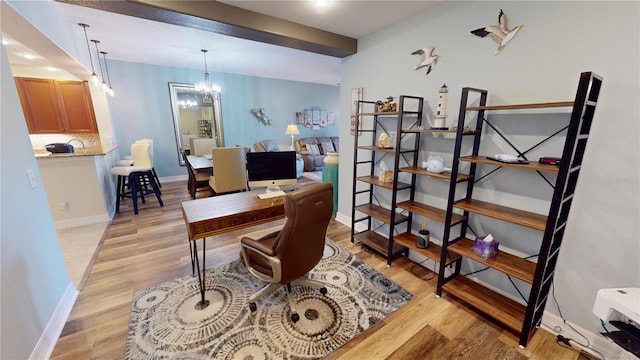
201, 305
253, 307
295, 317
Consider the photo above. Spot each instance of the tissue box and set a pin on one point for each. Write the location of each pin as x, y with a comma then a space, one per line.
486, 250
385, 176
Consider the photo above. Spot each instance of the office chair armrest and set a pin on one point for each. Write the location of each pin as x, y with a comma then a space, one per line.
248, 244
257, 246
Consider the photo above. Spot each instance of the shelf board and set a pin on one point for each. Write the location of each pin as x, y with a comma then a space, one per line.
444, 175
378, 243
408, 240
373, 180
430, 212
433, 131
514, 216
386, 113
522, 106
499, 307
380, 213
532, 165
381, 149
512, 265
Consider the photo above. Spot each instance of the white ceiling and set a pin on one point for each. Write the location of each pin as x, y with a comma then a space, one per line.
138, 40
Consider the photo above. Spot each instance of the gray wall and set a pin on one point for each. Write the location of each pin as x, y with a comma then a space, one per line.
558, 41
142, 108
34, 276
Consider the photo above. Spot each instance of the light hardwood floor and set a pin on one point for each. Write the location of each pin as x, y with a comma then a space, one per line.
150, 248
79, 245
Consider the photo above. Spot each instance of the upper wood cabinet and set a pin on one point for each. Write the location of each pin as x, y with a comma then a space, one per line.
52, 106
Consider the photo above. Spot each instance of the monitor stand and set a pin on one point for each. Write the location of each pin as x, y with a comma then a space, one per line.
271, 192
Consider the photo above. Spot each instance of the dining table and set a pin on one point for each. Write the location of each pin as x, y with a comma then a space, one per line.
199, 162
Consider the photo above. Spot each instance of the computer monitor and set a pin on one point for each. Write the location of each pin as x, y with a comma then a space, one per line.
271, 169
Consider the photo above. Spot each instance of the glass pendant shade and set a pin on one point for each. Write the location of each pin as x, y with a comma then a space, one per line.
95, 80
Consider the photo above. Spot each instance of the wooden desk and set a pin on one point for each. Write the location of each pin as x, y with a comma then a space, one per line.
219, 214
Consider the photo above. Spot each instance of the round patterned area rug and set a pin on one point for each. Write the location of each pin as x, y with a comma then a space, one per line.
164, 323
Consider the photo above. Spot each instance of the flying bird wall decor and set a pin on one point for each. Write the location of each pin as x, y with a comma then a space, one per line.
426, 58
499, 33
261, 115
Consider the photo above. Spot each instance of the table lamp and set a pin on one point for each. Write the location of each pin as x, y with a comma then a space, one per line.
292, 129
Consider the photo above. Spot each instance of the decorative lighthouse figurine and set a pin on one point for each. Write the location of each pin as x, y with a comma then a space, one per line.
441, 113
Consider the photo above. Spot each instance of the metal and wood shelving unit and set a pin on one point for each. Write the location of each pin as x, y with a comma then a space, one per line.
440, 215
521, 318
367, 157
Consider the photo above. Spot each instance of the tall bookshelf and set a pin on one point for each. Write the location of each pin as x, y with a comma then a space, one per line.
374, 220
521, 318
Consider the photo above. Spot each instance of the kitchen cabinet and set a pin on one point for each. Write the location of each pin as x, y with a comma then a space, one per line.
52, 106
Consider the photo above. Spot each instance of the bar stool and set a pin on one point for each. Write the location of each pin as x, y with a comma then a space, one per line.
133, 180
127, 160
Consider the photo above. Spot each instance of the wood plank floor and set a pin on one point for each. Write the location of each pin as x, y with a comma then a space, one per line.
150, 248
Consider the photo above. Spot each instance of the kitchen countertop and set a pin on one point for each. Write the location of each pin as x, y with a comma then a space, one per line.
78, 152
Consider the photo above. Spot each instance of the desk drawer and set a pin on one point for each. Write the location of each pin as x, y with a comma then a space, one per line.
213, 226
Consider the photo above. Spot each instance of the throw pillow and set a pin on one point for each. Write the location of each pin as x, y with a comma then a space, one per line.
327, 148
313, 149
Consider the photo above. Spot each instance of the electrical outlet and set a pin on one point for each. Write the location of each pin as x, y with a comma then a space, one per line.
64, 205
32, 179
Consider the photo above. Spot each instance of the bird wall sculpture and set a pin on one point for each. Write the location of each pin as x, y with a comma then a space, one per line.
261, 116
499, 33
426, 58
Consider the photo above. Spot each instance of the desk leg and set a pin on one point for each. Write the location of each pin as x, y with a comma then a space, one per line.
203, 303
192, 255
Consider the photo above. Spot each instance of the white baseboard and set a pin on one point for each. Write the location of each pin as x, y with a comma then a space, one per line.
346, 220
343, 219
168, 179
88, 220
54, 327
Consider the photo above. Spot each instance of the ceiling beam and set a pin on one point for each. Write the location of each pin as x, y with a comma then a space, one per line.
229, 20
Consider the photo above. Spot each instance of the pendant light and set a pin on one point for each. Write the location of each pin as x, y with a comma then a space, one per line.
110, 89
206, 88
104, 86
94, 77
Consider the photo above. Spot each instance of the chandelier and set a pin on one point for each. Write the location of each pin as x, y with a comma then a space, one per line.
186, 102
205, 88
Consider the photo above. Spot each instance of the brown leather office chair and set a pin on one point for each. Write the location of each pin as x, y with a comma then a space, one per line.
283, 257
